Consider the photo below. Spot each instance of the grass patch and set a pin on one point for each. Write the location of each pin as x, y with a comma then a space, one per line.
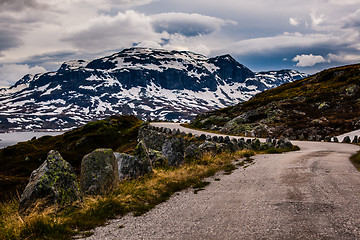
137, 196
281, 150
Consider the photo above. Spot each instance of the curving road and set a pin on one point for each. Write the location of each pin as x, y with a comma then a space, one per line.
313, 193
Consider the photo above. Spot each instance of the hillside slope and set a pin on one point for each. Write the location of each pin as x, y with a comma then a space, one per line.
324, 104
147, 83
18, 161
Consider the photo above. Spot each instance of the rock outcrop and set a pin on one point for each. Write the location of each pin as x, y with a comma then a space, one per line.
99, 172
54, 182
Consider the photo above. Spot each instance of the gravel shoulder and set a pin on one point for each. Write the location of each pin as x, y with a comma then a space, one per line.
309, 194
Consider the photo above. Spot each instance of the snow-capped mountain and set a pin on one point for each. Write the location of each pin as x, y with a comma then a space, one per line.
149, 83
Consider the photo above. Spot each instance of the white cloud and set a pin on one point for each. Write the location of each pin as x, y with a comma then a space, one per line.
10, 73
308, 60
316, 19
293, 21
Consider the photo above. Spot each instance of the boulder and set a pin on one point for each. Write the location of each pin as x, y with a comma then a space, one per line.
284, 143
335, 139
227, 139
131, 167
157, 159
173, 150
202, 137
346, 139
142, 152
99, 172
355, 140
54, 182
192, 152
214, 139
255, 144
208, 146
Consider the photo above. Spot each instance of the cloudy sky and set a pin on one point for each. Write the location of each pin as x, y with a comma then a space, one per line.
308, 35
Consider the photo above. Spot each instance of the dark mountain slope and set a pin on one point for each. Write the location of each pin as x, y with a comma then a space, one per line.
325, 104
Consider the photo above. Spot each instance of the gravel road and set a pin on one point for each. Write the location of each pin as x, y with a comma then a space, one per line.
309, 194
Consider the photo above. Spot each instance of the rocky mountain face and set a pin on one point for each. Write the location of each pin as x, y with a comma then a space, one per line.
315, 108
148, 83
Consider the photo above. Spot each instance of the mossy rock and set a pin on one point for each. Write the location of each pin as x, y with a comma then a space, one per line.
99, 172
54, 182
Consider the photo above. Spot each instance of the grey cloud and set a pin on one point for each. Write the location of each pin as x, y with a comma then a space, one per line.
20, 5
8, 39
187, 24
50, 60
352, 20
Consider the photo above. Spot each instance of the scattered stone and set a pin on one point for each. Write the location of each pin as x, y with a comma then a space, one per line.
227, 139
355, 140
54, 182
208, 137
335, 139
99, 172
131, 167
190, 134
215, 139
220, 139
173, 150
183, 134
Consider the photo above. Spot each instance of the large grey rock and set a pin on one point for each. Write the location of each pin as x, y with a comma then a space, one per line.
356, 139
54, 182
173, 150
131, 167
99, 172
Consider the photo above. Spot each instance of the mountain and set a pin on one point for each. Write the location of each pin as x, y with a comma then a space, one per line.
321, 105
148, 83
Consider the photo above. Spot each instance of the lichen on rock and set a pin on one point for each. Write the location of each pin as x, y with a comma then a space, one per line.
99, 172
54, 182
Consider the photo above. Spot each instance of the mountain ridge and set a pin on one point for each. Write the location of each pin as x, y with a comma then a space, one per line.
148, 83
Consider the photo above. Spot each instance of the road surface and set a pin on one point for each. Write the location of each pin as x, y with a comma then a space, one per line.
313, 193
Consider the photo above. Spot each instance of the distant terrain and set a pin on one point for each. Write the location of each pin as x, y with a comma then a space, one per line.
147, 83
324, 104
